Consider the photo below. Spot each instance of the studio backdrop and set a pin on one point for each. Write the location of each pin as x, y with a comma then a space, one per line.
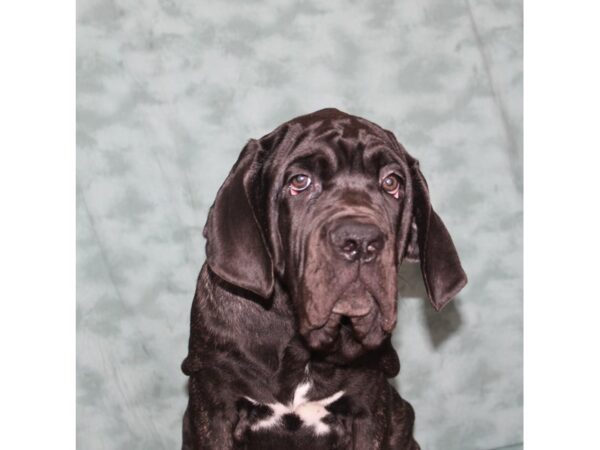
168, 93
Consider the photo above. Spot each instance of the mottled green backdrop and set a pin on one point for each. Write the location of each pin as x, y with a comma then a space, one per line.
167, 94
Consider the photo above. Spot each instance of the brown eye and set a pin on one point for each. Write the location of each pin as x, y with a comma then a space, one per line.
298, 183
391, 185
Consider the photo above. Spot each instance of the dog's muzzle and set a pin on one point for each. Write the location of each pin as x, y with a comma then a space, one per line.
355, 250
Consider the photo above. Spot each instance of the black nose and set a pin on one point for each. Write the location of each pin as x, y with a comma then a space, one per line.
356, 240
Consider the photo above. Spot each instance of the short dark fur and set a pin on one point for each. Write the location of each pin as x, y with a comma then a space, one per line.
278, 292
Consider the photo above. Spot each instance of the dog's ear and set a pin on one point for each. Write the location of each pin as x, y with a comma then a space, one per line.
236, 248
430, 243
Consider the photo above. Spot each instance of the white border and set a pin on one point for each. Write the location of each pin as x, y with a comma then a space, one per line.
562, 198
37, 226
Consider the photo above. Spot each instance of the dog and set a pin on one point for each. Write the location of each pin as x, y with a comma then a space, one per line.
291, 323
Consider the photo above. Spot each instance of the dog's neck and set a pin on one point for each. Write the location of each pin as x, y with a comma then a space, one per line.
265, 334
227, 320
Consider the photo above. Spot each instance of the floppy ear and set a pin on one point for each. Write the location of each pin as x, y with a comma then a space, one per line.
236, 249
430, 243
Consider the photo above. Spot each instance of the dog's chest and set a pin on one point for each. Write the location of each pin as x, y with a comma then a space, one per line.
306, 420
302, 411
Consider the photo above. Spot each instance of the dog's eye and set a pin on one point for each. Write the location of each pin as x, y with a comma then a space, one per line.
298, 183
391, 184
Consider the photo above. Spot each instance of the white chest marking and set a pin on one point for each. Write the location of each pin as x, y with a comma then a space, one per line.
310, 412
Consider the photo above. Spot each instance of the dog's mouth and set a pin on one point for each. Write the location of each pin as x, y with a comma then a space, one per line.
346, 336
353, 325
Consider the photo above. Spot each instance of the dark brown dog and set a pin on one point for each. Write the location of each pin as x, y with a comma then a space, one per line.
295, 306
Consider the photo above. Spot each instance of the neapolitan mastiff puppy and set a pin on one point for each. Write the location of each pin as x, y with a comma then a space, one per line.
291, 322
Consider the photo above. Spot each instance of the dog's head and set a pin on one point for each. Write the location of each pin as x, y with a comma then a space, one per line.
329, 205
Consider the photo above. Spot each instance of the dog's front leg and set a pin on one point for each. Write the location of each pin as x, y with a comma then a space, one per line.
208, 422
387, 426
400, 428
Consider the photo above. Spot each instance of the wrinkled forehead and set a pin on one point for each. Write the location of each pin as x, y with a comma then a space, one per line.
337, 144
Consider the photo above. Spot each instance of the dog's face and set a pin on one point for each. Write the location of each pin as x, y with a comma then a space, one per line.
340, 210
329, 204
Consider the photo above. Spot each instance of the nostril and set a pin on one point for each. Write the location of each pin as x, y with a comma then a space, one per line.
350, 248
349, 245
374, 246
372, 249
